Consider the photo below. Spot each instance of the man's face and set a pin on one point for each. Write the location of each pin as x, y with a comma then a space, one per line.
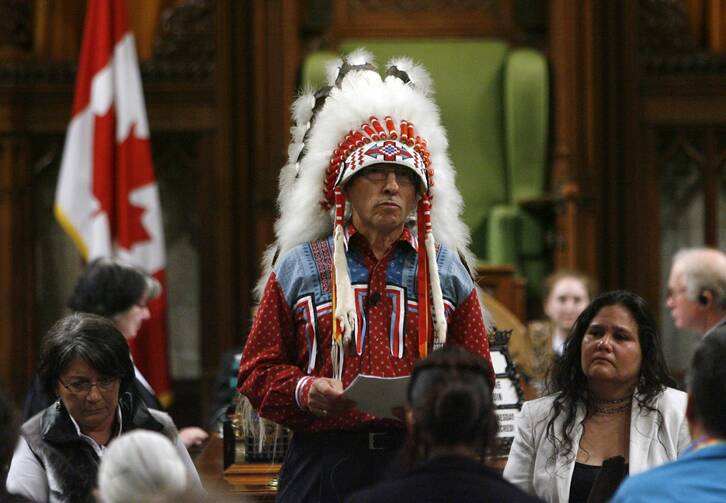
686, 313
381, 198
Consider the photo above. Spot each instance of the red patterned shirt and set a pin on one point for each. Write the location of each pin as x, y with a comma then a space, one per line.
290, 341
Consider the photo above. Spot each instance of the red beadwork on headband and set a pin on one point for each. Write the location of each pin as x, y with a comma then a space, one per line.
371, 131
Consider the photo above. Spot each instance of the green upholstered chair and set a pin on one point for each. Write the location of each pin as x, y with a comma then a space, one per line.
494, 102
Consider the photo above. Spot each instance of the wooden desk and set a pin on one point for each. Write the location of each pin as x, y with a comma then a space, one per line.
255, 481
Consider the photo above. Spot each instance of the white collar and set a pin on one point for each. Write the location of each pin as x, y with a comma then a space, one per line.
99, 449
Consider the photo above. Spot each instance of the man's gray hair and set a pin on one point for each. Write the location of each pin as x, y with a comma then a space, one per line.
702, 269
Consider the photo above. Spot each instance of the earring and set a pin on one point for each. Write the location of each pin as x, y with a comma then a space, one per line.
58, 404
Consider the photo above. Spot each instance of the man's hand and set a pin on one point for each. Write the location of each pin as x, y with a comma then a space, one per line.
325, 398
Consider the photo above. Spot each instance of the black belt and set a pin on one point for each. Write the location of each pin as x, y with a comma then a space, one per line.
366, 440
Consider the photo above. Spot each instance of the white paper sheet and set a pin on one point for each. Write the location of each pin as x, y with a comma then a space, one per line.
378, 395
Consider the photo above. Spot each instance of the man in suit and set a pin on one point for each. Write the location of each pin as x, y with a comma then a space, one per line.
697, 290
698, 474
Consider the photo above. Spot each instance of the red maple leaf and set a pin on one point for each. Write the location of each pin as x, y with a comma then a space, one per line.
119, 169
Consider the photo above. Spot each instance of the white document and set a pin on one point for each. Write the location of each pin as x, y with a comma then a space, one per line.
378, 395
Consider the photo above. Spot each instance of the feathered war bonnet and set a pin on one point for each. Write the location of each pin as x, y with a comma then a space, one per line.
362, 118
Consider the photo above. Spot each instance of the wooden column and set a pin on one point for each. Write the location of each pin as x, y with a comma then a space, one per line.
17, 335
578, 64
256, 79
276, 63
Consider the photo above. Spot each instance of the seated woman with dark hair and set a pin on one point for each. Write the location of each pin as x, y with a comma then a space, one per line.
120, 292
85, 363
451, 425
612, 412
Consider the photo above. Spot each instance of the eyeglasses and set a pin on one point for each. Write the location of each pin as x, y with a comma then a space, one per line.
84, 387
404, 176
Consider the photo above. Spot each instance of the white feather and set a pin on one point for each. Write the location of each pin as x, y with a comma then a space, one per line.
419, 76
345, 312
360, 56
302, 109
332, 69
293, 151
437, 298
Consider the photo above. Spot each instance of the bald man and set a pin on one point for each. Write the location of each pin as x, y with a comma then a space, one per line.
697, 290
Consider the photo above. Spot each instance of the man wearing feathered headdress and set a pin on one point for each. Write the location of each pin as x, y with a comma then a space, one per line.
365, 277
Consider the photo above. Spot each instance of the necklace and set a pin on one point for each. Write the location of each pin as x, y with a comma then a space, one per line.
611, 411
611, 402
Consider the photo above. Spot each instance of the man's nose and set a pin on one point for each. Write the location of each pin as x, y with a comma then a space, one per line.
391, 182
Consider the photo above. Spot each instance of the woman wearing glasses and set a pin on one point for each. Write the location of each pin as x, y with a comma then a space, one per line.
120, 292
85, 364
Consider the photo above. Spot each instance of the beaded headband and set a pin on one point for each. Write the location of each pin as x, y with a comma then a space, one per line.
372, 145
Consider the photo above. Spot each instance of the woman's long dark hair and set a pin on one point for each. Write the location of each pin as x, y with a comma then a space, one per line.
451, 402
569, 382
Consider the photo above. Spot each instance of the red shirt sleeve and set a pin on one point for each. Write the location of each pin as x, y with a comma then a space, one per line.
269, 374
466, 329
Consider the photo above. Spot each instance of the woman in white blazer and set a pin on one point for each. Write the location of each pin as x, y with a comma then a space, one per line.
612, 399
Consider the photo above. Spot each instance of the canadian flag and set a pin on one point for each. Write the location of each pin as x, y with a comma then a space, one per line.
107, 199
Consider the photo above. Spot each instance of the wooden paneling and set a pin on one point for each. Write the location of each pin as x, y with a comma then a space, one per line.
17, 336
407, 18
672, 85
576, 86
716, 16
276, 60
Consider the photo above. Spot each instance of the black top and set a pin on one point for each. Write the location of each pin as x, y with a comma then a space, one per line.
594, 483
583, 477
445, 479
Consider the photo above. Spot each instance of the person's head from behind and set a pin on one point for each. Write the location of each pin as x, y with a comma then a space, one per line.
142, 466
615, 341
9, 431
697, 288
565, 294
85, 362
450, 406
707, 388
116, 290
